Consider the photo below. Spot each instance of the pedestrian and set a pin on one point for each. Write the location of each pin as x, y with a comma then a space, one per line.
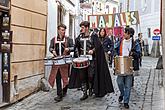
127, 47
60, 71
96, 76
141, 42
107, 45
117, 41
112, 38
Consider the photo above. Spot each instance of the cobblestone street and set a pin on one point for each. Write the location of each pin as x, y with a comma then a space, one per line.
147, 94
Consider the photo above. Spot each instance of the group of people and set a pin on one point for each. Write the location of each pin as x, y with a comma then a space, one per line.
94, 79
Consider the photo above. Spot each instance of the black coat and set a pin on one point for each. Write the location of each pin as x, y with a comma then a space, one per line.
69, 44
107, 44
102, 79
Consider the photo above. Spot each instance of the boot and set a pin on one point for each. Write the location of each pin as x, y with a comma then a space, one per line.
90, 89
58, 98
65, 90
85, 95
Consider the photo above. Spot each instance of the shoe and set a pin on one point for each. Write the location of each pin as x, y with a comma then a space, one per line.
85, 96
58, 98
126, 105
65, 91
90, 92
120, 98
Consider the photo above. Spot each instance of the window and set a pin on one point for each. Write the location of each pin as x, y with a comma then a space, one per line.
60, 14
70, 26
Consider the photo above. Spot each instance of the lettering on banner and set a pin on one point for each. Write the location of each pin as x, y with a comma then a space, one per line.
114, 20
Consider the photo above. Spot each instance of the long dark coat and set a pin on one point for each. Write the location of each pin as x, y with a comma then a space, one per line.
102, 79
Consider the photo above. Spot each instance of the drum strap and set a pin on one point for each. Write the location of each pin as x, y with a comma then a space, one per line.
66, 42
121, 48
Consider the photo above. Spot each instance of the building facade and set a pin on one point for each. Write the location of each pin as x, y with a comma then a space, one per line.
22, 47
32, 24
149, 13
61, 11
97, 7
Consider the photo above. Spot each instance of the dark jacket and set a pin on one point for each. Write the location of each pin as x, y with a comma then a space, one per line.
141, 45
107, 44
67, 44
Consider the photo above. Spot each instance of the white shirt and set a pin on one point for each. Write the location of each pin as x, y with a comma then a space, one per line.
127, 44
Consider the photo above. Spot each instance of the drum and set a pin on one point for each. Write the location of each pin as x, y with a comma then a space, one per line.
68, 59
87, 56
59, 60
81, 62
48, 61
123, 65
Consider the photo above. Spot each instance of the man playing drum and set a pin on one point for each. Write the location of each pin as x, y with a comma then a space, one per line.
96, 76
127, 47
60, 71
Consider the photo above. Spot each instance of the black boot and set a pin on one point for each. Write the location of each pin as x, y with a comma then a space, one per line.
84, 89
65, 90
58, 98
90, 89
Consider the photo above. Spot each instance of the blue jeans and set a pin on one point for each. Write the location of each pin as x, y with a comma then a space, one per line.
124, 84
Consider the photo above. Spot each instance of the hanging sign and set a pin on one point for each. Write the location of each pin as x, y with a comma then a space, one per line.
114, 20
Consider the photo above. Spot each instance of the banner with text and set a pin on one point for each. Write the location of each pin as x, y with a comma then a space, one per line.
114, 20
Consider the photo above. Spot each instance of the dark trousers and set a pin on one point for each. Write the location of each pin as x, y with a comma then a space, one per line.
60, 91
140, 61
58, 83
110, 60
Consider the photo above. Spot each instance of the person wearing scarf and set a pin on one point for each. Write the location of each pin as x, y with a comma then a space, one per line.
127, 47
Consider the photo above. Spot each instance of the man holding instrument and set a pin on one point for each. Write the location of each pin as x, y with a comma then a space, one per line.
96, 77
127, 47
60, 46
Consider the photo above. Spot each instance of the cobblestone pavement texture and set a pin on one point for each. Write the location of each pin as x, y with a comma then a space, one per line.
147, 94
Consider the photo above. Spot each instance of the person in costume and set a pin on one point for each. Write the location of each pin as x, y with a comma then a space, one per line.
107, 44
59, 72
96, 77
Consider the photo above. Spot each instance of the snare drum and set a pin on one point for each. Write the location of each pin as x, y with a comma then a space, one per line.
68, 59
48, 61
58, 60
87, 56
81, 62
123, 65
